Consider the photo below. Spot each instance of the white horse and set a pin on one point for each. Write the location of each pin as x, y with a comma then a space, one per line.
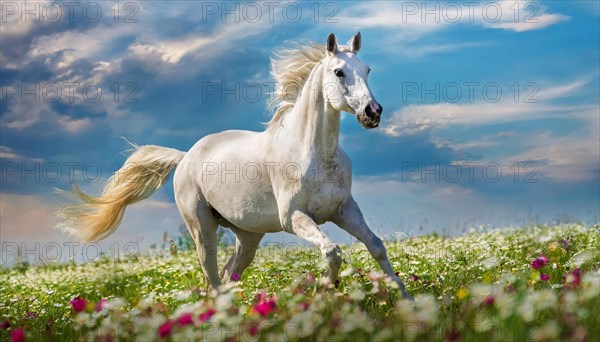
291, 177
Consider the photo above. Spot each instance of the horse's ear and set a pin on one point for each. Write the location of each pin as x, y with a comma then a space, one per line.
354, 43
332, 43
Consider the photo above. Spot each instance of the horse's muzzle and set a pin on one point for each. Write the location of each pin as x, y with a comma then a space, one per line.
371, 115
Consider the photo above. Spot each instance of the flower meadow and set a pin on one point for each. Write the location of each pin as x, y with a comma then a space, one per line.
539, 283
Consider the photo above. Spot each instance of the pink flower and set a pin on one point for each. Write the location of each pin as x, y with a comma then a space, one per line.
165, 329
544, 277
309, 278
235, 277
207, 315
414, 277
573, 278
5, 325
541, 261
489, 300
100, 305
78, 304
185, 319
18, 335
265, 308
373, 276
304, 306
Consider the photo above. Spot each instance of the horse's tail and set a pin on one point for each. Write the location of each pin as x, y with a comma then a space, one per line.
146, 170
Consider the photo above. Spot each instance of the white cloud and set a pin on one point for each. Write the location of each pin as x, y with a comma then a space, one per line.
422, 117
412, 20
60, 51
573, 157
389, 15
76, 45
9, 153
419, 51
166, 55
419, 118
15, 23
540, 22
24, 114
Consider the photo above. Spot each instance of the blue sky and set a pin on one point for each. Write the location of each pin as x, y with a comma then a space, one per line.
428, 72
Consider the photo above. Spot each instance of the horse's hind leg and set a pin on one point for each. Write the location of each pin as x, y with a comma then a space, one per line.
246, 245
202, 225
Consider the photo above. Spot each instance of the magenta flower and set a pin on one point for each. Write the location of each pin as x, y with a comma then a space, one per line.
18, 335
544, 277
452, 335
207, 315
185, 319
414, 277
235, 277
541, 261
78, 304
265, 308
165, 329
489, 300
253, 330
100, 305
5, 325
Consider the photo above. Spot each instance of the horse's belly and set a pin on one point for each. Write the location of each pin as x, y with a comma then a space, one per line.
251, 210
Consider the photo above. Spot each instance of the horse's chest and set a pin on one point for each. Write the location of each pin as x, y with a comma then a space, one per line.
327, 190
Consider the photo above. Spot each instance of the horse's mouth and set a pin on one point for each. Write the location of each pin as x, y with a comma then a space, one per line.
367, 122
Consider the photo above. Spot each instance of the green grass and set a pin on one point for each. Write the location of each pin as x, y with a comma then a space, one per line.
477, 287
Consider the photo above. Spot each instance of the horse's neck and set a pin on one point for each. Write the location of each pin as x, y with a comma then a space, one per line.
312, 122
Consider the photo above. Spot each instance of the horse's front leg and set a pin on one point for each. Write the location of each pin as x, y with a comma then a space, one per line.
351, 220
306, 228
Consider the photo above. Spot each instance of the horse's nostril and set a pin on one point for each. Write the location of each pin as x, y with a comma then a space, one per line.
369, 112
373, 110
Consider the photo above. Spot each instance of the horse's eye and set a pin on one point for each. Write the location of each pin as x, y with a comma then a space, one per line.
339, 72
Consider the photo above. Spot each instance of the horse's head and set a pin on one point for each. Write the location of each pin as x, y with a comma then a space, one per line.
345, 85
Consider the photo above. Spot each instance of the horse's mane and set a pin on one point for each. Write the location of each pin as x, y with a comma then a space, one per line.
290, 68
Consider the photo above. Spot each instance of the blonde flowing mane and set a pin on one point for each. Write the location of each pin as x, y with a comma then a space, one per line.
290, 68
